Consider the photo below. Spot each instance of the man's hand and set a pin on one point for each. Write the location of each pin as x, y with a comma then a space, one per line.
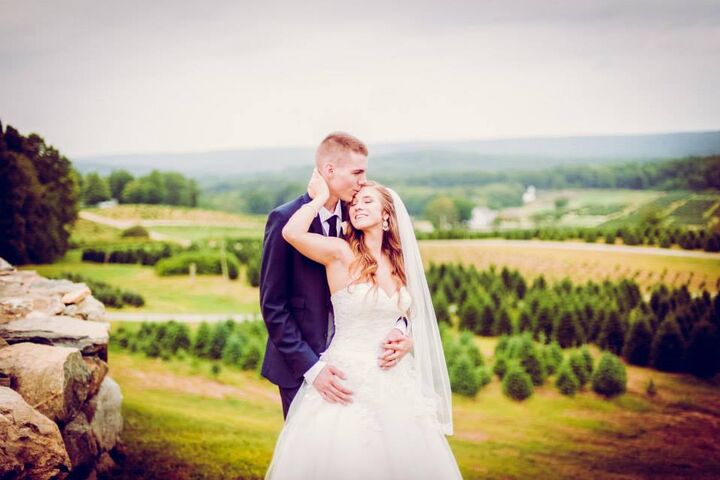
396, 346
328, 384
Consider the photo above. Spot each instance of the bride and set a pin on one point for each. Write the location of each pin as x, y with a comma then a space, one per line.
395, 425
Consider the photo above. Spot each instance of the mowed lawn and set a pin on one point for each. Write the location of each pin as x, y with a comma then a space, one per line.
183, 422
557, 262
171, 294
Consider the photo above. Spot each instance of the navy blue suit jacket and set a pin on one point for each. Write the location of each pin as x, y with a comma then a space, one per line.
294, 299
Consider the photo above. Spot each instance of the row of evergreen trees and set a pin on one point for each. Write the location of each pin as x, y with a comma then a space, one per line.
707, 239
522, 364
39, 198
671, 331
236, 344
169, 188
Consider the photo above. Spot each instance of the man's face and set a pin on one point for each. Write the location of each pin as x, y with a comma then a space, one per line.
348, 175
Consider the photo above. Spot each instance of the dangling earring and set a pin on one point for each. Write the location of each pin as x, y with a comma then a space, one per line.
386, 225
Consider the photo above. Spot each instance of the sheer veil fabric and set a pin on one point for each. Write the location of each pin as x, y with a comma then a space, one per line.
428, 356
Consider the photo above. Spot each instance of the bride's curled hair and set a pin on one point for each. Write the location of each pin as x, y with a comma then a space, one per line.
364, 266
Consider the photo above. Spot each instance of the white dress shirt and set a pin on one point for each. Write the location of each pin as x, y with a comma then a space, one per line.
325, 214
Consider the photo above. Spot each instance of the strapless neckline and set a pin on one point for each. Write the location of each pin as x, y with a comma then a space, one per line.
390, 297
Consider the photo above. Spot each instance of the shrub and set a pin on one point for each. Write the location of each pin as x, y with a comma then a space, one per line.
253, 355
553, 357
206, 261
500, 367
463, 377
566, 382
531, 361
579, 368
517, 384
202, 340
610, 378
135, 231
233, 351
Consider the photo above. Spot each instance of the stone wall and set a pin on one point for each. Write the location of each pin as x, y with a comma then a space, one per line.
60, 411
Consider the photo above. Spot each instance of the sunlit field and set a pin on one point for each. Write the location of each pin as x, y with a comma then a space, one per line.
183, 421
555, 261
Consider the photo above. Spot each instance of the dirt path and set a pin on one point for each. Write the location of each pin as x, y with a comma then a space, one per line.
180, 317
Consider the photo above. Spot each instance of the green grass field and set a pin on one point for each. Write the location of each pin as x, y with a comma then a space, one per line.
181, 422
172, 294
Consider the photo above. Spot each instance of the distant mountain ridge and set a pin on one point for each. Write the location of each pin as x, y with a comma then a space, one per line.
509, 153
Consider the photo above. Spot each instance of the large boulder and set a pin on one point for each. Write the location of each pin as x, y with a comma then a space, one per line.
81, 445
54, 380
30, 444
104, 412
98, 369
89, 337
90, 309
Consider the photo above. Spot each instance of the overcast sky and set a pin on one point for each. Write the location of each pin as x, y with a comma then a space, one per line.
98, 77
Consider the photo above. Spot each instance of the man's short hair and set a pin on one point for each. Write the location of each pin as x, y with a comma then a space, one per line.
339, 142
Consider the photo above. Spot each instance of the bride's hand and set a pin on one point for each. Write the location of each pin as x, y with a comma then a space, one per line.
396, 346
317, 186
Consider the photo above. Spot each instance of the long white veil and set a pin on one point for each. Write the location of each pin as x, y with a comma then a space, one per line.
428, 356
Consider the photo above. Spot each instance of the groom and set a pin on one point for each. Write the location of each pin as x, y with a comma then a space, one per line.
294, 292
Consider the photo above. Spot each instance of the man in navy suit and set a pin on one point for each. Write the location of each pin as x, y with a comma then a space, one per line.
294, 294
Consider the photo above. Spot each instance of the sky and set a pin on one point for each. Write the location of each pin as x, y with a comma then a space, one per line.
177, 76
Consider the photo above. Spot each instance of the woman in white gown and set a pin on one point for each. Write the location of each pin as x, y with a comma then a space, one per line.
395, 425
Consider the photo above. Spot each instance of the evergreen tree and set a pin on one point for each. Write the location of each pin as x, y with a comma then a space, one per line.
639, 343
610, 377
567, 330
579, 368
566, 381
470, 314
525, 322
544, 323
233, 351
504, 325
202, 340
440, 303
668, 348
612, 335
463, 377
487, 320
703, 352
516, 383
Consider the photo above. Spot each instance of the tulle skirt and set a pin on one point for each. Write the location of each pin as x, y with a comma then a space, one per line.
389, 431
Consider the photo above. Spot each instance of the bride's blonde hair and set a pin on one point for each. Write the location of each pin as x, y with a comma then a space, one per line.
364, 263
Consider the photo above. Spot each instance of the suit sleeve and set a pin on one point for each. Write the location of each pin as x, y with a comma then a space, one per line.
282, 329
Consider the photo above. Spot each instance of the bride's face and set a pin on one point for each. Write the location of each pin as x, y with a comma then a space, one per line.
366, 210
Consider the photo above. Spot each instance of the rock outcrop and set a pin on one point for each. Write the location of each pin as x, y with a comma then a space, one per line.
60, 411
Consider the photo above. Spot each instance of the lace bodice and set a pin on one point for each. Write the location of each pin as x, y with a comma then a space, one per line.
363, 313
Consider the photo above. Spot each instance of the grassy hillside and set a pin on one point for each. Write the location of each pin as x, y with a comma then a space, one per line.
181, 421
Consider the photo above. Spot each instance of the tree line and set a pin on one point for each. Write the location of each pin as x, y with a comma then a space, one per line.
168, 188
39, 199
690, 173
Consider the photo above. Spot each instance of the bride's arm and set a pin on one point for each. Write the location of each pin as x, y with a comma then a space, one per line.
316, 247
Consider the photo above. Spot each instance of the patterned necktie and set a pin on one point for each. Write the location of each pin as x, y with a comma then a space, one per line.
332, 221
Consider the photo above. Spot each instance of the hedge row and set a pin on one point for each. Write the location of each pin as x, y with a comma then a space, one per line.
665, 237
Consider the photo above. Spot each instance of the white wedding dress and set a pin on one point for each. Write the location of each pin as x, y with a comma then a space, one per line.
389, 431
